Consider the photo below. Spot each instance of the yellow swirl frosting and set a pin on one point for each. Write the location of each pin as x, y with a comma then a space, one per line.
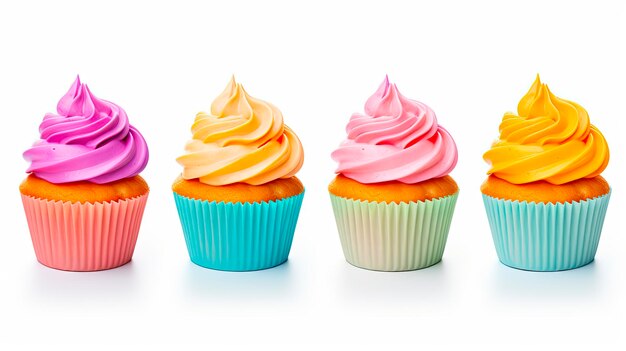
242, 140
549, 139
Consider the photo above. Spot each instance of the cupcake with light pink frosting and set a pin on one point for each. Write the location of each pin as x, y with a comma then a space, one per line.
393, 198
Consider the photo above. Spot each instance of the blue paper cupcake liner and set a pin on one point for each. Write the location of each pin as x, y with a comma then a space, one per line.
545, 236
235, 236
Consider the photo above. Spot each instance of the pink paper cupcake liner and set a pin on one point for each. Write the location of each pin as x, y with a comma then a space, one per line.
84, 236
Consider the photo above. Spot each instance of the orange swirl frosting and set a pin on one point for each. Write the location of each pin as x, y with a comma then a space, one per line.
242, 140
549, 139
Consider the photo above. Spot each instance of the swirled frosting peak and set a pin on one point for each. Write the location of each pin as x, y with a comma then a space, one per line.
549, 139
242, 140
396, 139
88, 139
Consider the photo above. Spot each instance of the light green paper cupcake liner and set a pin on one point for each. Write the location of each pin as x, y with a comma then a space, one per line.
546, 237
393, 237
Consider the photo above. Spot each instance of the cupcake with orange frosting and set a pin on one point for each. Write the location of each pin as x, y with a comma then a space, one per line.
545, 197
238, 197
393, 199
84, 197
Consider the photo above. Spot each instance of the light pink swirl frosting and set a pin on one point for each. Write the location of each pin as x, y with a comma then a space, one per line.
396, 139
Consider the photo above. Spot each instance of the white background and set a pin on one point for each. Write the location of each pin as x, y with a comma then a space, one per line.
318, 62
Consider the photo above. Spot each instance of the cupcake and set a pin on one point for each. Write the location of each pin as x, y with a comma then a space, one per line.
393, 199
238, 198
84, 198
544, 196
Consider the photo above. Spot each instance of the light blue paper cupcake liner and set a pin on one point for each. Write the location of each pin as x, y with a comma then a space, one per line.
546, 237
237, 236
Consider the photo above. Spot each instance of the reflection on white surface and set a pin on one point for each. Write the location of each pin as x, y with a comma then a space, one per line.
274, 283
514, 284
425, 285
47, 284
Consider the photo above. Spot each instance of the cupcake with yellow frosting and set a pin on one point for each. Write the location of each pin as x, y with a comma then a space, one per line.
238, 197
545, 197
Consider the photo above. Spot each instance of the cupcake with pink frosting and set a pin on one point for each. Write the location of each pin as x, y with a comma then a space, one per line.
392, 197
83, 197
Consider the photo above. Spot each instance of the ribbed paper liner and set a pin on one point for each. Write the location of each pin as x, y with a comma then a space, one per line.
84, 237
393, 237
238, 236
546, 237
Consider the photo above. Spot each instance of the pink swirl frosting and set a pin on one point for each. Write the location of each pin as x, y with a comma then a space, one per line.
397, 139
88, 139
